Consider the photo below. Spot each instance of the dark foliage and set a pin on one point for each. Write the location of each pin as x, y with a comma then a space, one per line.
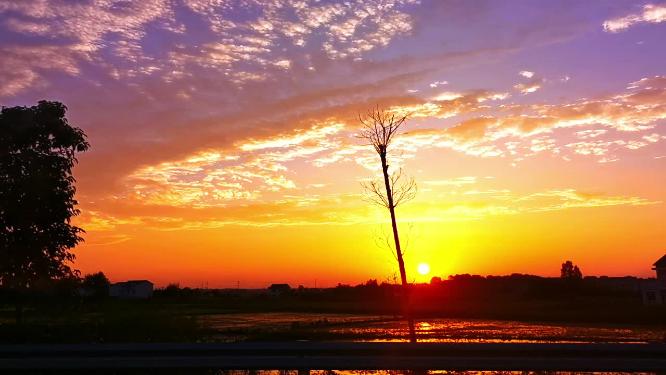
37, 153
96, 284
570, 271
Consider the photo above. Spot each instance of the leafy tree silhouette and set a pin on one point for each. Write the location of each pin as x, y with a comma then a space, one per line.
569, 271
37, 152
379, 129
97, 284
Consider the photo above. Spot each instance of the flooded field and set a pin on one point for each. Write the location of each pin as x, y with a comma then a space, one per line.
239, 327
413, 372
385, 372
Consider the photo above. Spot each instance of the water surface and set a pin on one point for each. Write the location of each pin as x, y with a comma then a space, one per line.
236, 327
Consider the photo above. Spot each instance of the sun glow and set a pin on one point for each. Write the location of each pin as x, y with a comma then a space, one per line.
423, 269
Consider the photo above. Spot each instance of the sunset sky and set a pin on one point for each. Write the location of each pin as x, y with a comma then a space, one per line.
223, 144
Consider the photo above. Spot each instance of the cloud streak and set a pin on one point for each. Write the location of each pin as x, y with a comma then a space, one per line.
652, 13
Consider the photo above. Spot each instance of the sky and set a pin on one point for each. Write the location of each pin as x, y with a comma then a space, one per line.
224, 149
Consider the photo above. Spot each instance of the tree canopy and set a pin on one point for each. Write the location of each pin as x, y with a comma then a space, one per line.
37, 153
97, 284
570, 271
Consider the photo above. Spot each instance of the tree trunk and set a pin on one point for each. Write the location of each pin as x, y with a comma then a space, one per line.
398, 250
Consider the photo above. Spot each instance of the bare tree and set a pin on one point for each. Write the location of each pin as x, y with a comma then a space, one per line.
379, 128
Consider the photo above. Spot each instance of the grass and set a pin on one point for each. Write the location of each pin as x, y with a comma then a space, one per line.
110, 321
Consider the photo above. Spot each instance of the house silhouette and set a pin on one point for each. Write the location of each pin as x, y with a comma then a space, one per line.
132, 289
654, 290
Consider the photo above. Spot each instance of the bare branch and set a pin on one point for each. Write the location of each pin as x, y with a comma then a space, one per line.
379, 127
407, 239
403, 188
383, 240
374, 194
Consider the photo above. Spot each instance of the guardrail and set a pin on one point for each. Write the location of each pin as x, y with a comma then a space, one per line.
338, 356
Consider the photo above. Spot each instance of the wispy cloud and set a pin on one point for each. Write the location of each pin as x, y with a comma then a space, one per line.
437, 84
459, 181
533, 83
243, 41
636, 111
242, 173
300, 137
652, 13
256, 169
22, 67
526, 73
349, 209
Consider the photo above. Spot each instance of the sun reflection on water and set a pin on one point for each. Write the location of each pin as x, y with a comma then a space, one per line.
238, 327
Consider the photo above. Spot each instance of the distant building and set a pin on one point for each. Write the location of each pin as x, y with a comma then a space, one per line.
278, 289
132, 289
660, 267
654, 290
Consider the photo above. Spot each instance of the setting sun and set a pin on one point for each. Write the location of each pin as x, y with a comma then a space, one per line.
423, 268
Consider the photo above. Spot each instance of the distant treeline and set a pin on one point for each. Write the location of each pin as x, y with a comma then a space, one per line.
515, 297
460, 287
465, 285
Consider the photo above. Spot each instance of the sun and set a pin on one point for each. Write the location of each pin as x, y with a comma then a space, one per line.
423, 268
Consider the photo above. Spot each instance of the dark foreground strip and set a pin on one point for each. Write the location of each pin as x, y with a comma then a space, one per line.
342, 355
